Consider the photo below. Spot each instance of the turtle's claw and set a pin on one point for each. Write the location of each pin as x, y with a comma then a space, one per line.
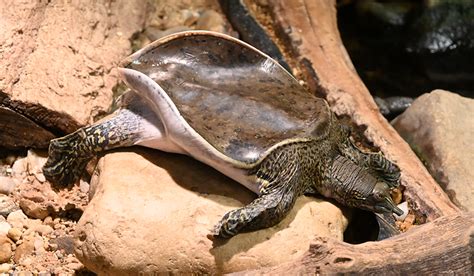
226, 228
64, 165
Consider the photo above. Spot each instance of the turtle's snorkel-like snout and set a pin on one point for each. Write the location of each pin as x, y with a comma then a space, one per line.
382, 201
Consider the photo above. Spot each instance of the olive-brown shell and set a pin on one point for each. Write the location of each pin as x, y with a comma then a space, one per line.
237, 98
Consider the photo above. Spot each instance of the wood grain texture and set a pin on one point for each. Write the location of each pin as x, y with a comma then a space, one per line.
18, 131
443, 246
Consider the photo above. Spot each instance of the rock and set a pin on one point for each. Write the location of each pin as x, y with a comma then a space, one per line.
19, 167
65, 243
6, 251
75, 266
154, 33
38, 244
4, 228
17, 219
43, 230
26, 273
25, 249
84, 186
4, 268
35, 162
49, 221
32, 209
14, 234
7, 185
154, 216
212, 21
184, 17
61, 94
439, 126
7, 205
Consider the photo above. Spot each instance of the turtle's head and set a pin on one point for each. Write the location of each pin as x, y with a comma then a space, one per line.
380, 201
355, 186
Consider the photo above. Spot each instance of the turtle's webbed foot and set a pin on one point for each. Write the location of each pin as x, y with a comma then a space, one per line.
265, 211
387, 170
228, 226
65, 162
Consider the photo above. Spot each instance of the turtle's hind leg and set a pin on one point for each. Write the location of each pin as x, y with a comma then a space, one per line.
69, 155
278, 196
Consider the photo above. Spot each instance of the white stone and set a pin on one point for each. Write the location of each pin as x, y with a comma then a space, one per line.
7, 185
4, 228
17, 219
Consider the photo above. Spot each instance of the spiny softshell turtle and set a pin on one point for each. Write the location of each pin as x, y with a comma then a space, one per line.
232, 107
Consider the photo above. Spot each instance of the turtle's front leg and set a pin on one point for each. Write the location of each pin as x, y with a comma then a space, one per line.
68, 155
276, 200
387, 170
374, 161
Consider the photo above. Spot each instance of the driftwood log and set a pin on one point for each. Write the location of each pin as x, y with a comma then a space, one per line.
442, 245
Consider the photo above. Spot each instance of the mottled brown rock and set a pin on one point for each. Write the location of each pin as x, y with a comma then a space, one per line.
33, 209
6, 251
26, 248
439, 127
151, 213
56, 60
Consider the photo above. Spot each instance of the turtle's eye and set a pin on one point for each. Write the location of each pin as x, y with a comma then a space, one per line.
381, 190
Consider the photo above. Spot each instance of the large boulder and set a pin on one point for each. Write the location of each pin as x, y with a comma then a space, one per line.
56, 61
439, 126
151, 212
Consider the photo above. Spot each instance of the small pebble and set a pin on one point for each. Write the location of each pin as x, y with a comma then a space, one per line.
43, 230
4, 268
24, 249
7, 205
84, 186
212, 21
7, 185
38, 228
6, 251
14, 234
39, 246
32, 224
404, 207
35, 161
49, 221
59, 254
33, 209
154, 33
4, 228
17, 219
19, 167
65, 243
35, 164
74, 266
26, 262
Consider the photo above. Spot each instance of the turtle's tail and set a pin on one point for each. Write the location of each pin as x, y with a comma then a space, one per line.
66, 159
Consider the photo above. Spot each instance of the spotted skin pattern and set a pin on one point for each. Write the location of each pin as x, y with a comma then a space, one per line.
329, 165
308, 165
69, 155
